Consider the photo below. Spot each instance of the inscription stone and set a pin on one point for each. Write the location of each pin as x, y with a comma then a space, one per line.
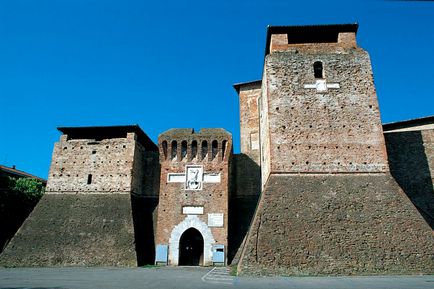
215, 220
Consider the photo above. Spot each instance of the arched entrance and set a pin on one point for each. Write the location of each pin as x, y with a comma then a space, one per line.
191, 221
191, 248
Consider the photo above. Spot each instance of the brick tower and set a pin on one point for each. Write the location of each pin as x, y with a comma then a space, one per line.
328, 202
98, 203
192, 222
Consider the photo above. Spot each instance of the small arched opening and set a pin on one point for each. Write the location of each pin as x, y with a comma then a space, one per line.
174, 150
164, 144
193, 149
191, 248
183, 149
204, 149
214, 149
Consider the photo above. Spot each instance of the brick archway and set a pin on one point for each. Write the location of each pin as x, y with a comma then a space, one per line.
191, 221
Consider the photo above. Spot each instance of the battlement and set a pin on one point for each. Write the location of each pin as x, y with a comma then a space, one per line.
311, 37
186, 145
99, 133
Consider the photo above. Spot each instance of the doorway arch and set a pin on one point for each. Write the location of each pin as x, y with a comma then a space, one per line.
191, 221
191, 248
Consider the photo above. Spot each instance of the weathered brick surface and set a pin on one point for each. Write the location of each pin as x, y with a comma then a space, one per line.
75, 230
245, 192
213, 197
109, 161
249, 94
97, 220
411, 159
337, 224
307, 131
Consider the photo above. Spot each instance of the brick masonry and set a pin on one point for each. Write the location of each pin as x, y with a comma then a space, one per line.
211, 149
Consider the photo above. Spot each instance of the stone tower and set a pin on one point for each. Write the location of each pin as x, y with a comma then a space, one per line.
328, 202
97, 208
192, 223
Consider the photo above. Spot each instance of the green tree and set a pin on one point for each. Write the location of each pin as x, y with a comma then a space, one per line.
18, 197
32, 189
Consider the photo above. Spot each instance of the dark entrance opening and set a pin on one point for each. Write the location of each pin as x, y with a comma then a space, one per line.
190, 248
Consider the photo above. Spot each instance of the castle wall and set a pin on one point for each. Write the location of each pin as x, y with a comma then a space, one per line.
264, 126
411, 159
342, 224
144, 202
108, 161
75, 230
244, 196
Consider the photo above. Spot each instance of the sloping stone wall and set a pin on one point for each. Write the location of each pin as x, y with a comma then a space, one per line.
411, 159
245, 192
337, 225
75, 230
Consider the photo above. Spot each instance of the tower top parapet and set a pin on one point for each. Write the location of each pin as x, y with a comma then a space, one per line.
186, 145
280, 38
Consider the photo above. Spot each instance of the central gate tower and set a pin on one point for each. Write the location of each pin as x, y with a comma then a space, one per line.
192, 222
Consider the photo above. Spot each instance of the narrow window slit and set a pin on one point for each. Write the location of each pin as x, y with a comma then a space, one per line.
318, 69
204, 149
193, 149
174, 149
183, 149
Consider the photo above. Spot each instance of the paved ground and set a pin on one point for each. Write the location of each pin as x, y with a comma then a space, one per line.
188, 277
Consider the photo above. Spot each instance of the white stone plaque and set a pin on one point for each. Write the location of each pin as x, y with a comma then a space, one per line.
254, 141
193, 178
321, 85
192, 210
211, 178
175, 178
215, 220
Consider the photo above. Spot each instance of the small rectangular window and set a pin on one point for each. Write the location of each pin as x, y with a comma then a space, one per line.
89, 179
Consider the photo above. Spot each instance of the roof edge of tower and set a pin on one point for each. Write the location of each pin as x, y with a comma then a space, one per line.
303, 29
239, 85
109, 132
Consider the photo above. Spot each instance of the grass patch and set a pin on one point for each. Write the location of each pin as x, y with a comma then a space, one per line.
233, 270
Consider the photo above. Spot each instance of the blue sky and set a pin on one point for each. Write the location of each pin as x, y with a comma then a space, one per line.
165, 64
